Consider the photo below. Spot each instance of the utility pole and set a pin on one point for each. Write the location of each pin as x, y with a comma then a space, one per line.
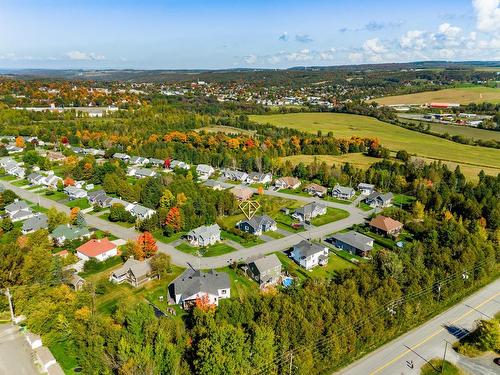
444, 355
439, 291
11, 308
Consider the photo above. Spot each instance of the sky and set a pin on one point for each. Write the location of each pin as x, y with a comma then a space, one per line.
219, 34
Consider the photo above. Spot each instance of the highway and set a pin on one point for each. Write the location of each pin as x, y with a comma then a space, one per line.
428, 340
356, 216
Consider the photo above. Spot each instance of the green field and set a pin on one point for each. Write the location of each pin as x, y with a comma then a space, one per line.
466, 131
393, 137
461, 95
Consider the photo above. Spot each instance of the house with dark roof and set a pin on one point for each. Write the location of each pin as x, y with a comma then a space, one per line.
193, 284
309, 211
123, 157
379, 200
287, 183
138, 160
204, 235
353, 242
134, 272
35, 178
386, 225
257, 225
309, 254
99, 249
366, 189
266, 270
259, 178
157, 162
316, 190
234, 175
343, 192
19, 211
40, 221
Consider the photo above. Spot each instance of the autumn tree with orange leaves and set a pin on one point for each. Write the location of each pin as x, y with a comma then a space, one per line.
203, 303
146, 246
174, 219
20, 142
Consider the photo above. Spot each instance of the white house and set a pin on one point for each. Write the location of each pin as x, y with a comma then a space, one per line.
204, 171
75, 193
99, 249
142, 212
259, 178
18, 211
366, 189
309, 254
204, 235
343, 192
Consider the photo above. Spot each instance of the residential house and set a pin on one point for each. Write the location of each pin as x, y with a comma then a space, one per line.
40, 221
76, 282
51, 181
66, 232
99, 249
35, 179
215, 185
379, 200
99, 198
366, 189
309, 211
18, 211
309, 254
179, 164
204, 171
141, 212
343, 192
194, 284
123, 157
315, 189
242, 193
386, 225
7, 161
128, 206
204, 235
234, 175
287, 183
266, 270
75, 193
55, 156
16, 171
259, 178
353, 242
157, 162
138, 160
44, 358
141, 172
13, 149
134, 272
257, 225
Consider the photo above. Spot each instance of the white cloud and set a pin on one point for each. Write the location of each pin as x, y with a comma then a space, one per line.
302, 55
449, 31
413, 39
487, 15
328, 54
284, 37
355, 57
374, 46
250, 59
78, 55
303, 38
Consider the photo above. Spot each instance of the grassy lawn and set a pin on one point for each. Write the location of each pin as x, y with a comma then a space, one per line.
20, 183
391, 136
274, 235
65, 354
8, 178
285, 222
461, 95
112, 262
55, 195
298, 192
241, 285
211, 251
335, 264
158, 235
225, 130
105, 216
81, 202
245, 243
435, 367
336, 200
401, 199
332, 214
365, 207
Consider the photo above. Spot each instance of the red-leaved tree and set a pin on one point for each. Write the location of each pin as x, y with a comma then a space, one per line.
146, 246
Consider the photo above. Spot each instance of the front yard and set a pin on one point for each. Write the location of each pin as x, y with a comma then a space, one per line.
82, 203
209, 251
332, 214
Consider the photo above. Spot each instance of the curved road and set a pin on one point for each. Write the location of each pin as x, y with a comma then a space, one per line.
356, 216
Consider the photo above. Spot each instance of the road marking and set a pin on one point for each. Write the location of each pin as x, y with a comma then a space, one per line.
432, 336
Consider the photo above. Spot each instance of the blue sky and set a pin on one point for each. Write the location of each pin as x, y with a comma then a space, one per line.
224, 34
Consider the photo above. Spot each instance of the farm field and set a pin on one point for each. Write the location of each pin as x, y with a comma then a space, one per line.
393, 137
462, 95
225, 130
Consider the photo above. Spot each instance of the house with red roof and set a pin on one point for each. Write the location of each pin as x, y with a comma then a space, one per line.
386, 225
99, 249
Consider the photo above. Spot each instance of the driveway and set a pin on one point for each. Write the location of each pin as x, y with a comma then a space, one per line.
15, 353
182, 259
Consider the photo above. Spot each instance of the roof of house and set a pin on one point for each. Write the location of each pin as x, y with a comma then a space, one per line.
16, 206
242, 192
385, 223
137, 267
290, 181
343, 189
34, 176
204, 168
258, 176
205, 231
309, 208
145, 172
75, 280
362, 185
37, 222
191, 282
141, 210
156, 161
95, 194
266, 263
235, 174
70, 232
316, 187
383, 197
258, 221
72, 190
211, 183
119, 155
96, 247
307, 248
355, 239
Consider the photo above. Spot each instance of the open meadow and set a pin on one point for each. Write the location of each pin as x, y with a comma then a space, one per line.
461, 95
395, 138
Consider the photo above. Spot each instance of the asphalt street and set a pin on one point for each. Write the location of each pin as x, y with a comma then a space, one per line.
15, 353
428, 340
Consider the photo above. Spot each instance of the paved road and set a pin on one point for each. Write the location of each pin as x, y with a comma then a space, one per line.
15, 353
180, 258
428, 340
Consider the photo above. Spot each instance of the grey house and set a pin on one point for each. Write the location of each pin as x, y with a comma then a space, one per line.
204, 235
134, 272
353, 242
309, 211
35, 223
194, 284
257, 225
343, 192
379, 200
265, 270
310, 254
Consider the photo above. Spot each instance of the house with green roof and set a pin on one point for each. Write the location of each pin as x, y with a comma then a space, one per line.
65, 232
